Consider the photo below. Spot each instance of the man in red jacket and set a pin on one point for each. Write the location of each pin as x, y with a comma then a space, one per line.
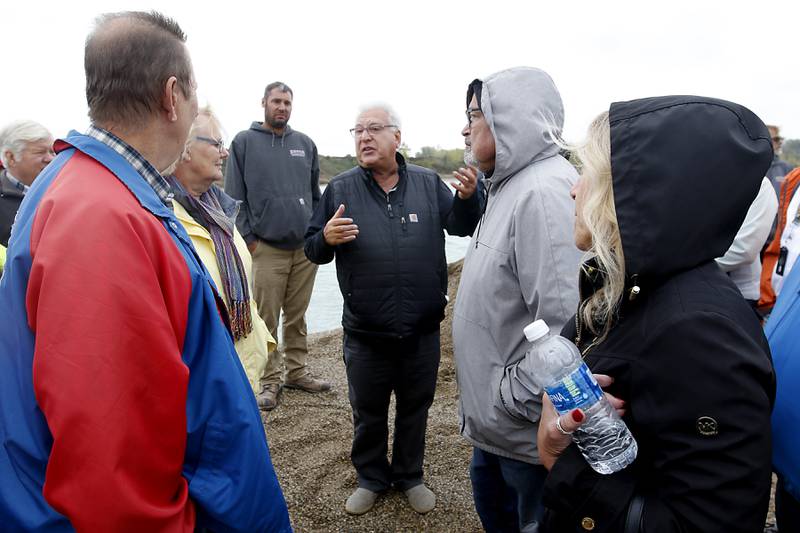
123, 405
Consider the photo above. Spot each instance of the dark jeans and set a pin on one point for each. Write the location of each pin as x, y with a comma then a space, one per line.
787, 510
507, 492
375, 369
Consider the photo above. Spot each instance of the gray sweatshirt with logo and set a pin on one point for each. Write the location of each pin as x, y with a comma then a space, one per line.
277, 179
522, 265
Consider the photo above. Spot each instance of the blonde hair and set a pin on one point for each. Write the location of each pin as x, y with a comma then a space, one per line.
206, 117
600, 218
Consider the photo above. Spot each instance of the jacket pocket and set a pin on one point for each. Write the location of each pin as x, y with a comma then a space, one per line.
284, 219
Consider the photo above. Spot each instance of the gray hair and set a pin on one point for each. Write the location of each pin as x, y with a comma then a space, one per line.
394, 118
15, 136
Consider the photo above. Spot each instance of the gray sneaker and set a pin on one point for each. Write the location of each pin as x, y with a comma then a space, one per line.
421, 498
308, 384
268, 397
360, 501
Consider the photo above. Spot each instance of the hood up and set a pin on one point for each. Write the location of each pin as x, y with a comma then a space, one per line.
522, 106
685, 171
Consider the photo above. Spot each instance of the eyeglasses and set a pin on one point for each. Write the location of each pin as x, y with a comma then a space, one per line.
220, 144
777, 139
472, 114
372, 129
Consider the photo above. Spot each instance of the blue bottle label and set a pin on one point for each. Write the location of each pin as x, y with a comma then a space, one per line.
577, 390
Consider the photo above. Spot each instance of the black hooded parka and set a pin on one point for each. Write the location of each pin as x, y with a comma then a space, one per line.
687, 353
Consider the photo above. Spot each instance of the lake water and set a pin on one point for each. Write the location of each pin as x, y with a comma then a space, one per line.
325, 310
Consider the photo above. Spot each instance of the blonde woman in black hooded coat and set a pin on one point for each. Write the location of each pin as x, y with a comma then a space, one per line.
665, 184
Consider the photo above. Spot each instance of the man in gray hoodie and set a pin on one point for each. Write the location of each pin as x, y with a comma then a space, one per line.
274, 171
521, 266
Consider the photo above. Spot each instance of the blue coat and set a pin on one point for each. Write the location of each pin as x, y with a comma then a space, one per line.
123, 405
783, 334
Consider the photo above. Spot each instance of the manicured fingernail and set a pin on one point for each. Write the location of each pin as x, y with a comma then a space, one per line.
577, 415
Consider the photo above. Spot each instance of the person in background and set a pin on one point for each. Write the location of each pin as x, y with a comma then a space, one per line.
781, 253
742, 261
384, 221
779, 168
209, 217
686, 354
124, 405
26, 147
519, 267
274, 171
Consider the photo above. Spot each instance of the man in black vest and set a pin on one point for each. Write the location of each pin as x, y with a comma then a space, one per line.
392, 272
26, 147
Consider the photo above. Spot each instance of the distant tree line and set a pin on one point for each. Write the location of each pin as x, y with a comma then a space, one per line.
441, 161
444, 162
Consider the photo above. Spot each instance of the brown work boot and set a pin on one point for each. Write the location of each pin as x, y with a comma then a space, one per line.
268, 397
308, 384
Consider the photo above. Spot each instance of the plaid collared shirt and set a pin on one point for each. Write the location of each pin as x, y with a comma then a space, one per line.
16, 183
142, 165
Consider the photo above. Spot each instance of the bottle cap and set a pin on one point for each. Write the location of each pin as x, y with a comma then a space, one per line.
536, 330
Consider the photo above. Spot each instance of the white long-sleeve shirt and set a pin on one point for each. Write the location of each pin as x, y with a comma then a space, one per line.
790, 240
742, 261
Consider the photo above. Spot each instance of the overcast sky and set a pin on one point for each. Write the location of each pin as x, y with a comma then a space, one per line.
419, 56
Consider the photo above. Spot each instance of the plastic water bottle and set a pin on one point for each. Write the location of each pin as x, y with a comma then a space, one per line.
557, 366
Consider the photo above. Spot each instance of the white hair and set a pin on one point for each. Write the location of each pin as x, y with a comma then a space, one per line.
394, 118
15, 136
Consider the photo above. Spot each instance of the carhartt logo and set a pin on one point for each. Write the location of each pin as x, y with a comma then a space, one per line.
413, 217
297, 153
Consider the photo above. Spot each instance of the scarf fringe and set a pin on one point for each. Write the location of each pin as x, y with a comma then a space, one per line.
241, 320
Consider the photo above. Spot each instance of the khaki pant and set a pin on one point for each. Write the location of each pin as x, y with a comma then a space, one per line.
283, 280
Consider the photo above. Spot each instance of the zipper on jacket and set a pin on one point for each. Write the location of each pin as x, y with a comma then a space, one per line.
483, 213
596, 340
397, 302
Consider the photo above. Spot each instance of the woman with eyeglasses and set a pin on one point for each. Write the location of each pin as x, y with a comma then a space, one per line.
209, 216
665, 184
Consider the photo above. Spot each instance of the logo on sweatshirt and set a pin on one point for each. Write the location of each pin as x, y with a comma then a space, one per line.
297, 153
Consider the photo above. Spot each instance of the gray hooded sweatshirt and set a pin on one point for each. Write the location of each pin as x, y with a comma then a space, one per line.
277, 179
522, 264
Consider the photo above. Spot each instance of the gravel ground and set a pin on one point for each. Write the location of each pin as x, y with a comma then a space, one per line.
310, 437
